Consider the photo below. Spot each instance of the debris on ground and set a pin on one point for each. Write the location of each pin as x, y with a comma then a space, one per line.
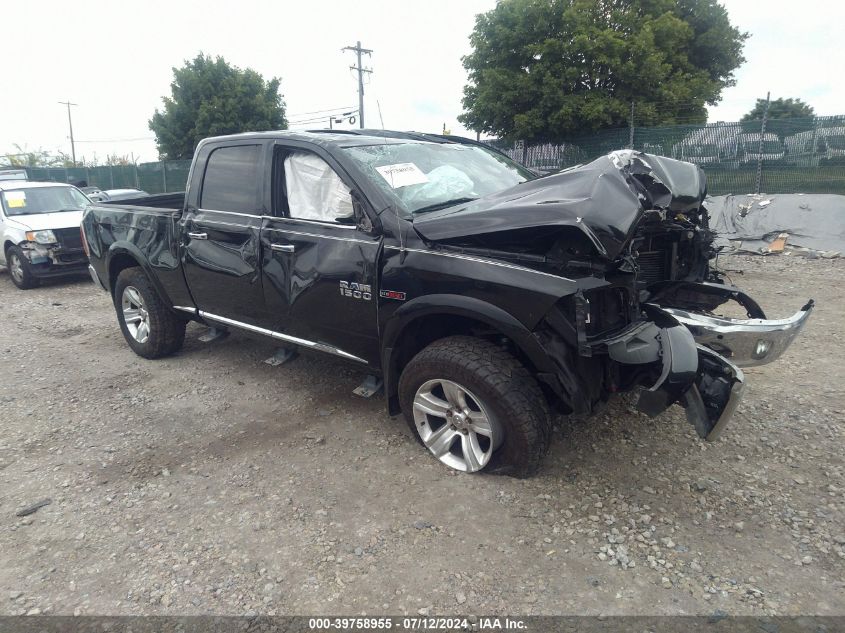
779, 243
32, 509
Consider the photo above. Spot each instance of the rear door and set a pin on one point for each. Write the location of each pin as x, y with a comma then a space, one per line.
320, 269
220, 235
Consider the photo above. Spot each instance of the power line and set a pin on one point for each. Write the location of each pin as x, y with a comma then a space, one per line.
317, 119
314, 118
309, 121
120, 140
298, 114
361, 70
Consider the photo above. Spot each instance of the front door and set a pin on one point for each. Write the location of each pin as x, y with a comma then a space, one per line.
320, 270
221, 248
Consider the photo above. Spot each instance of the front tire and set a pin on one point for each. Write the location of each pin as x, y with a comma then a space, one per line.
476, 407
19, 269
150, 328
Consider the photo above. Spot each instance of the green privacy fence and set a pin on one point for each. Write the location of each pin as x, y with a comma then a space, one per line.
805, 155
158, 177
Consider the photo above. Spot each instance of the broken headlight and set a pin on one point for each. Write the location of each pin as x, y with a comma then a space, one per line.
41, 237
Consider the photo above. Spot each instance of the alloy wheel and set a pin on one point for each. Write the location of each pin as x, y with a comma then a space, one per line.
135, 314
16, 267
455, 425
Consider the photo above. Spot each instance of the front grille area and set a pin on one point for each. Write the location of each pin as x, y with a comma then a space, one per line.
70, 239
652, 267
72, 258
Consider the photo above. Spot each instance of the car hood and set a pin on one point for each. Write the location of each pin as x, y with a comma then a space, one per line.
605, 199
41, 221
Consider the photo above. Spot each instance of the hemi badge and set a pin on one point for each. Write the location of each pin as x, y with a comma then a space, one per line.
392, 294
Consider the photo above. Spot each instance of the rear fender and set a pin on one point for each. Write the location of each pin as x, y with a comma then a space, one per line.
120, 250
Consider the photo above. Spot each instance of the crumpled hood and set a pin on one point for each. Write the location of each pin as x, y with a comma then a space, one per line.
41, 221
604, 198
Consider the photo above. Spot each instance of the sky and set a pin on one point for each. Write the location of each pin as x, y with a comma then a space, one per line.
116, 63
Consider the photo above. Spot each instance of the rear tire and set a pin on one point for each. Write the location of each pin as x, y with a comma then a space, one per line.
150, 328
19, 269
514, 429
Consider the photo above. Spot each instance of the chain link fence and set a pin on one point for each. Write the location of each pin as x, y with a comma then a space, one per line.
157, 177
805, 155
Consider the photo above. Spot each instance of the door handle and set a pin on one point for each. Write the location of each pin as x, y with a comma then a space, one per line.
198, 236
283, 248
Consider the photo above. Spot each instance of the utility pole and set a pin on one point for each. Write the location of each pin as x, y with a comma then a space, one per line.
759, 182
361, 70
631, 132
70, 125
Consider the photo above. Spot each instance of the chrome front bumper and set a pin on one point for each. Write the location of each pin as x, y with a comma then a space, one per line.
744, 342
701, 356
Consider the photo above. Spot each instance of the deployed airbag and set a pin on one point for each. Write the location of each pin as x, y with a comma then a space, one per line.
443, 183
314, 190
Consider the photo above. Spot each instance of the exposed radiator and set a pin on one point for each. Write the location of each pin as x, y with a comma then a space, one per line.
652, 267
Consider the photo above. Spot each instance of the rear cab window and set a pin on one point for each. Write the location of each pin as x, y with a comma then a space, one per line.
231, 179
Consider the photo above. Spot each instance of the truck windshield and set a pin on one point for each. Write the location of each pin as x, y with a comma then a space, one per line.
423, 177
35, 200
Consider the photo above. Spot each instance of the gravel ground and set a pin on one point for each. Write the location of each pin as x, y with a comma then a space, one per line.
211, 482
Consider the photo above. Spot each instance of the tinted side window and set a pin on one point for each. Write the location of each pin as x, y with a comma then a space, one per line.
231, 179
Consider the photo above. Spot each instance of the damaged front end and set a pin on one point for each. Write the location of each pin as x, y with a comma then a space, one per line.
699, 357
708, 386
631, 231
54, 252
652, 323
723, 346
678, 349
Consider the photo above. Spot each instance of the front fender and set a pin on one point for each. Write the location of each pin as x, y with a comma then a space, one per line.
457, 305
14, 235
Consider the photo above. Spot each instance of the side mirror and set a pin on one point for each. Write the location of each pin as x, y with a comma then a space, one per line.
363, 221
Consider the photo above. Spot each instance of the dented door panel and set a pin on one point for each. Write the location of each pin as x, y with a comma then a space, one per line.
320, 284
221, 263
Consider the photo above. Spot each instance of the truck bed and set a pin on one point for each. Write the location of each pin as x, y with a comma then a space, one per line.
172, 201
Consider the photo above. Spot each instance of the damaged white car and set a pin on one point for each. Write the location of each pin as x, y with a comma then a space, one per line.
39, 228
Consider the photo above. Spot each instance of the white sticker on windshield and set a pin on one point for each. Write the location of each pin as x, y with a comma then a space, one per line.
15, 199
402, 175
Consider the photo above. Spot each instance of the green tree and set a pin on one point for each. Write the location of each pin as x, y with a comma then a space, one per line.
548, 70
780, 109
209, 97
24, 157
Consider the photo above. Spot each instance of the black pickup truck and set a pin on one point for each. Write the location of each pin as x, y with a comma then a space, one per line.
485, 297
